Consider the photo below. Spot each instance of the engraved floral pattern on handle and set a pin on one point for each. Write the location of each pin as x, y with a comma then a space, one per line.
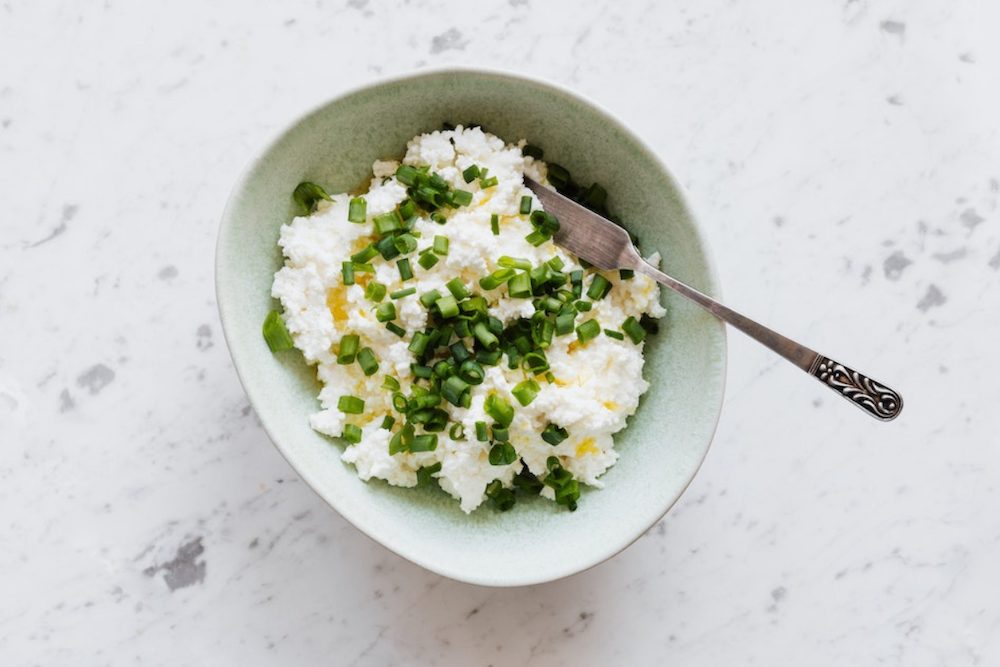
877, 399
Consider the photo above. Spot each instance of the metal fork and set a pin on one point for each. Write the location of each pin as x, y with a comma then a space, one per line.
607, 246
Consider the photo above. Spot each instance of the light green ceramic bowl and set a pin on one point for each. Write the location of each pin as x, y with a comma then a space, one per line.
666, 439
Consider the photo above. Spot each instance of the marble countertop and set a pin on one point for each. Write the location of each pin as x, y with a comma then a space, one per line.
844, 160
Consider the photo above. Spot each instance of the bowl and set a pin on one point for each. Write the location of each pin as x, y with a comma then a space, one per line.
665, 441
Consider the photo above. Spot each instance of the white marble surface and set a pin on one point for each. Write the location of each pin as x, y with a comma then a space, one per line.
843, 156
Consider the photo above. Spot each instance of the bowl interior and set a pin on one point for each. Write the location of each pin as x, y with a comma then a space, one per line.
666, 439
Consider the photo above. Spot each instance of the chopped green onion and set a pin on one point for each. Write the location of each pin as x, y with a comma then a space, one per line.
406, 174
430, 197
588, 330
549, 304
405, 243
351, 405
526, 391
375, 291
634, 330
527, 482
453, 389
560, 480
558, 175
565, 323
488, 357
499, 434
444, 369
576, 280
568, 494
440, 246
399, 402
535, 362
426, 474
447, 306
387, 422
276, 333
488, 182
363, 267
396, 443
626, 274
617, 335
459, 352
502, 454
365, 254
525, 208
461, 197
427, 260
499, 409
553, 434
387, 222
405, 272
385, 311
495, 224
457, 431
400, 293
514, 263
543, 329
532, 151
428, 298
599, 288
418, 345
595, 197
348, 349
307, 195
395, 328
390, 383
402, 441
583, 306
386, 248
424, 443
519, 286
541, 274
485, 336
481, 434
347, 269
496, 279
457, 288
556, 263
367, 360
537, 238
422, 398
471, 372
407, 209
501, 498
544, 222
351, 433
471, 174
439, 218
356, 211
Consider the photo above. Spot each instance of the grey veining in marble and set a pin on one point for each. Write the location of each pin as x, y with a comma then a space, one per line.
844, 159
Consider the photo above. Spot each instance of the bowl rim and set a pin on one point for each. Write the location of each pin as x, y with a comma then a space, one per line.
712, 287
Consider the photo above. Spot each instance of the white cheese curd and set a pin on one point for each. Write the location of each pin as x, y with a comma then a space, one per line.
592, 388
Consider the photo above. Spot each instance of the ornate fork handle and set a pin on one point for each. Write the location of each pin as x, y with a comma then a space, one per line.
871, 396
874, 397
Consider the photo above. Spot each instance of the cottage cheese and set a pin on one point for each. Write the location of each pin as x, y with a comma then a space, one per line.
597, 385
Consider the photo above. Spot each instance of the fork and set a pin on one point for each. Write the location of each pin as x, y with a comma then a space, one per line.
607, 246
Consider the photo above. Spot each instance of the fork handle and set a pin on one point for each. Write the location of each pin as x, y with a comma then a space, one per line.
873, 397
